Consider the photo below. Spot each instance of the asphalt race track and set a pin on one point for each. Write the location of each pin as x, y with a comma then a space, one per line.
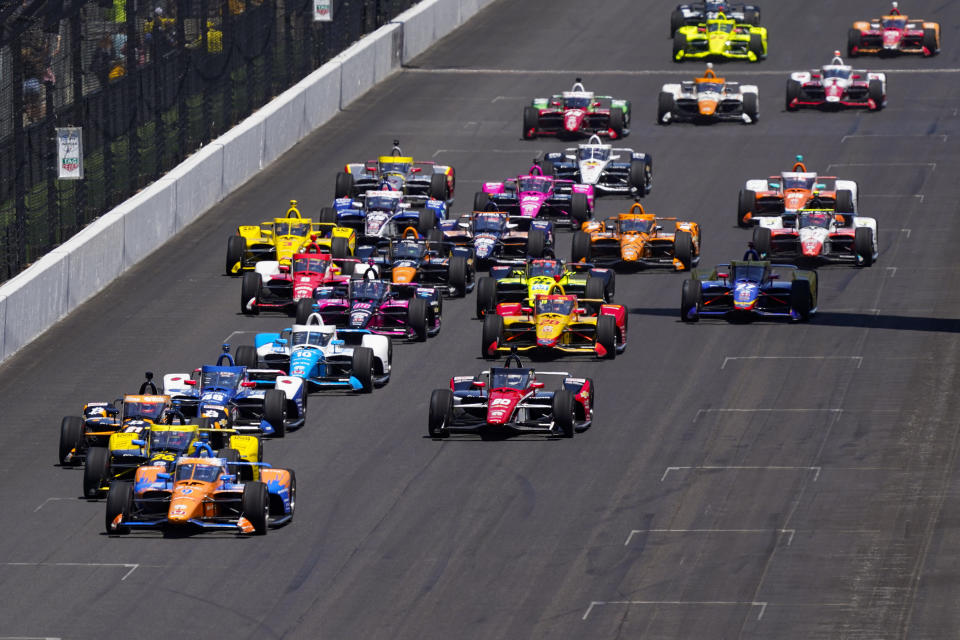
741, 481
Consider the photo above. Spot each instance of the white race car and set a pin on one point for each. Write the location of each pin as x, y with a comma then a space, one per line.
609, 169
791, 191
817, 236
708, 98
837, 85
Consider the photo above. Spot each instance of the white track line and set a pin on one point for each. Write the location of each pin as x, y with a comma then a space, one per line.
859, 359
932, 165
943, 136
130, 566
728, 603
634, 532
44, 503
816, 470
536, 152
676, 71
699, 411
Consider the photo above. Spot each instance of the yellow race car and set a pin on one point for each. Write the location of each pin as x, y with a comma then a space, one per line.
556, 322
638, 239
720, 37
279, 239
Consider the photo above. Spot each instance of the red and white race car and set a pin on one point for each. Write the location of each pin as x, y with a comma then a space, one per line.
817, 236
894, 33
837, 85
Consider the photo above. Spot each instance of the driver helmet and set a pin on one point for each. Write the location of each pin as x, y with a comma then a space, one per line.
894, 10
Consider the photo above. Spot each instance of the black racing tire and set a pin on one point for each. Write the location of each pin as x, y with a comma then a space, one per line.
275, 411
751, 107
547, 167
862, 246
96, 471
761, 241
361, 367
480, 201
844, 202
119, 501
246, 356
536, 243
339, 248
639, 179
676, 21
801, 300
930, 41
304, 309
665, 105
71, 438
441, 413
531, 120
486, 296
617, 121
579, 212
679, 44
236, 247
347, 267
417, 318
243, 472
752, 17
793, 92
746, 203
344, 185
427, 221
457, 275
607, 335
293, 492
611, 286
690, 300
580, 247
683, 248
563, 412
230, 455
328, 215
435, 236
756, 45
255, 505
250, 290
595, 290
439, 187
491, 334
875, 91
854, 38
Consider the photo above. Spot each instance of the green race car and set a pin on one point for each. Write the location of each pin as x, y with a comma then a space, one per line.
524, 281
720, 37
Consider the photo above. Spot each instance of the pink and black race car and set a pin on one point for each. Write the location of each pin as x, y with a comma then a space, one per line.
536, 195
511, 400
837, 85
575, 113
892, 34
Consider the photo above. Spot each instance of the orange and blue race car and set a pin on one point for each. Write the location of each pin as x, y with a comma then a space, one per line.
418, 181
201, 493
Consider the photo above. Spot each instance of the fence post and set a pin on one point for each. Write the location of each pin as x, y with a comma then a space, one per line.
19, 253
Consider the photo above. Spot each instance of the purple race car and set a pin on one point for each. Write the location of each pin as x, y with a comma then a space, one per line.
536, 195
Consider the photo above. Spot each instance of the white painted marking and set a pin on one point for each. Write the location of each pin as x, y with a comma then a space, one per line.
531, 152
932, 165
637, 72
131, 567
816, 470
892, 195
634, 532
30, 638
499, 98
893, 271
942, 136
859, 359
699, 603
907, 231
44, 503
699, 411
229, 338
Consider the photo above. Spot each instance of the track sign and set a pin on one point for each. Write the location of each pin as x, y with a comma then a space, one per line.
70, 153
322, 10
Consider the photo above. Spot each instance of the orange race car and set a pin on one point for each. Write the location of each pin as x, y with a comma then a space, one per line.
786, 194
637, 239
894, 33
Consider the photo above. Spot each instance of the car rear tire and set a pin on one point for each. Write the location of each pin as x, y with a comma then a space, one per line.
71, 438
417, 318
679, 44
607, 335
304, 309
492, 332
746, 203
801, 300
761, 242
486, 296
595, 290
683, 248
610, 288
339, 248
119, 500
579, 212
863, 245
676, 21
844, 203
581, 247
236, 247
876, 94
255, 505
250, 294
665, 105
246, 356
344, 185
435, 236
480, 201
457, 275
752, 17
690, 300
854, 38
328, 215
531, 120
427, 221
361, 367
275, 411
563, 412
439, 187
95, 472
536, 243
616, 121
930, 41
640, 176
793, 93
441, 413
751, 107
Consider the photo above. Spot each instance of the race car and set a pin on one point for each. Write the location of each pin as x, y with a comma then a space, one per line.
837, 85
697, 12
418, 181
708, 99
202, 492
513, 400
556, 323
536, 195
818, 236
101, 419
161, 445
276, 286
323, 357
747, 290
720, 36
281, 238
493, 235
894, 33
637, 239
575, 113
413, 260
372, 214
786, 194
408, 311
239, 395
605, 168
522, 281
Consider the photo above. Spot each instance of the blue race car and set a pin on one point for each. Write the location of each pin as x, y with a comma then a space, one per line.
238, 395
494, 235
750, 289
384, 214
